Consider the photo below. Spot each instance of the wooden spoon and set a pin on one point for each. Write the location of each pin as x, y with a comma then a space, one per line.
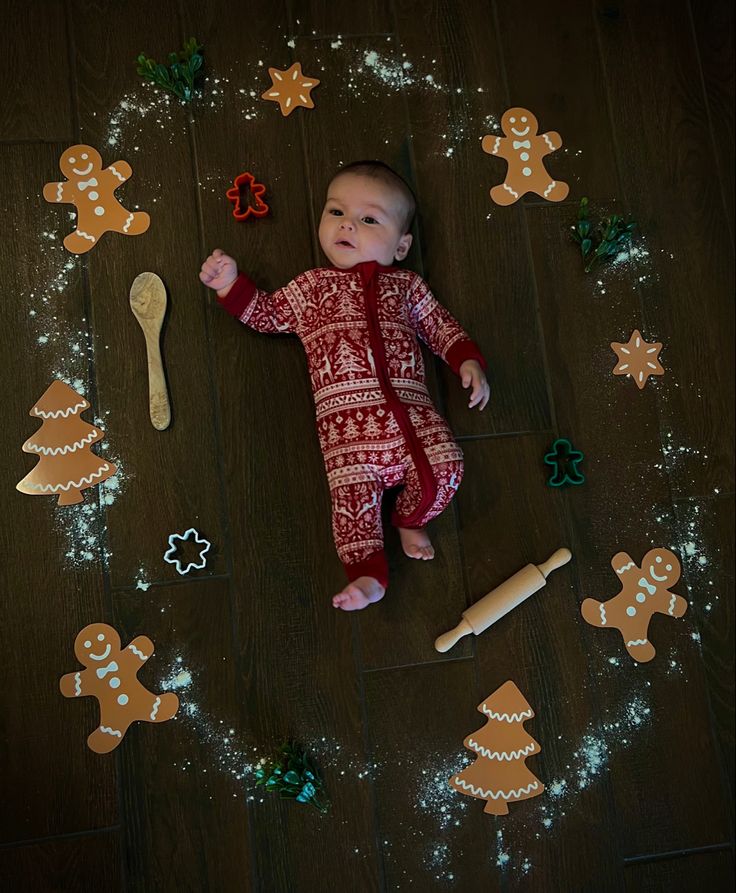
148, 303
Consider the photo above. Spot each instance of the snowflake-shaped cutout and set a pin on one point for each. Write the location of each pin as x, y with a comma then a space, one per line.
183, 537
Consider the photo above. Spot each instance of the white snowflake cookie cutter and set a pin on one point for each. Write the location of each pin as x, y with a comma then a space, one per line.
183, 537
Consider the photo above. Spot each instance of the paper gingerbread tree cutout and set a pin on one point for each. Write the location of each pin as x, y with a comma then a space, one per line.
644, 592
110, 676
90, 188
290, 89
66, 463
637, 359
247, 197
564, 459
499, 774
523, 150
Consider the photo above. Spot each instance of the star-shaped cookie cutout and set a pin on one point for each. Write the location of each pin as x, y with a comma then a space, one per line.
290, 89
637, 358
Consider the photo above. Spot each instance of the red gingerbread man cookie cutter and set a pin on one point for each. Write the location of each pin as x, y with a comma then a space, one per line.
245, 185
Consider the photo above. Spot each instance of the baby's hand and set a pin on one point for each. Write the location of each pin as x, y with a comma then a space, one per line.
472, 374
219, 272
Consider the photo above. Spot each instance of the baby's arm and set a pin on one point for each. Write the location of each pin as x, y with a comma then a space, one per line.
273, 313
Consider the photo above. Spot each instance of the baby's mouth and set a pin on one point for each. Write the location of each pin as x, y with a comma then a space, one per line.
343, 243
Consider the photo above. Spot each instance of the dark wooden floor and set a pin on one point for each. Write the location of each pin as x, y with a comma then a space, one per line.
637, 760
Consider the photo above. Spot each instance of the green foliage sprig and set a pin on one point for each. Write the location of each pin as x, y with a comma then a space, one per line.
181, 74
291, 774
607, 240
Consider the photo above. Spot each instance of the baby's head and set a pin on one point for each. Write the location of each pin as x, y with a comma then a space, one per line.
367, 216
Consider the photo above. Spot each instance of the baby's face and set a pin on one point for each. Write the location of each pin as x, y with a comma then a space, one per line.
362, 221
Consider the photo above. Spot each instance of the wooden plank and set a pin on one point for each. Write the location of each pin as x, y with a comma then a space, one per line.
669, 177
186, 783
297, 664
34, 72
625, 506
682, 874
475, 255
175, 470
429, 835
563, 43
714, 32
708, 545
319, 18
419, 591
510, 518
84, 864
48, 597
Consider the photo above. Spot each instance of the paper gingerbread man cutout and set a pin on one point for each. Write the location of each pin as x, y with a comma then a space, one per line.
111, 678
523, 148
91, 188
644, 591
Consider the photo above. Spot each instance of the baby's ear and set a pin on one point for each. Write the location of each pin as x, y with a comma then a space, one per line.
404, 246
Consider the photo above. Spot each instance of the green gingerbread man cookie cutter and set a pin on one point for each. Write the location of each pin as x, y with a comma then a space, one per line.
564, 459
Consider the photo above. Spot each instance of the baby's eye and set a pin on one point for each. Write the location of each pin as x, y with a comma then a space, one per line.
335, 212
369, 220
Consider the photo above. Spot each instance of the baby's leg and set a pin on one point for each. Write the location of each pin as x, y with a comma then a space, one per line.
447, 467
358, 533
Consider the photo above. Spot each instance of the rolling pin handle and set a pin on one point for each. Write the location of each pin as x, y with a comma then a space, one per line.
447, 640
560, 557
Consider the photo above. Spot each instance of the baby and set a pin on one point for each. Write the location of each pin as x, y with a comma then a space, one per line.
358, 320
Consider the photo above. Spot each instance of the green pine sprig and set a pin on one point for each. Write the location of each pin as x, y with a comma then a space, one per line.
180, 76
603, 242
291, 774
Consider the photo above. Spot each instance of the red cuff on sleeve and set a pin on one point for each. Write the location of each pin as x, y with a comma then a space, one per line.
374, 565
462, 351
240, 295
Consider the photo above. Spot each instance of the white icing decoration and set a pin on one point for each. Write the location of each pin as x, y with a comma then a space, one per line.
527, 171
514, 717
631, 611
498, 755
620, 570
59, 188
122, 700
52, 488
496, 145
550, 188
61, 413
672, 604
103, 655
127, 223
548, 141
60, 451
654, 576
603, 614
108, 731
84, 172
524, 156
114, 682
636, 642
103, 671
84, 235
77, 684
138, 653
93, 196
116, 174
640, 597
509, 189
490, 795
155, 708
99, 210
520, 132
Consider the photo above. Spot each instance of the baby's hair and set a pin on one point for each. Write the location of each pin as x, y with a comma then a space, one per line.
380, 171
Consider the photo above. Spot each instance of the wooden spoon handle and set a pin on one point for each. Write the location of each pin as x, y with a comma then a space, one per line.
158, 395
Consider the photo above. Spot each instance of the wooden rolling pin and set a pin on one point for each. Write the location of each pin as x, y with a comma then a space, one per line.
504, 598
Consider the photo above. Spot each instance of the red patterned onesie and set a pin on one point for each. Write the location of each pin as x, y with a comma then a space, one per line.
375, 419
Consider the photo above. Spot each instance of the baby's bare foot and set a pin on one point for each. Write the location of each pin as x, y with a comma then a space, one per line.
416, 543
359, 594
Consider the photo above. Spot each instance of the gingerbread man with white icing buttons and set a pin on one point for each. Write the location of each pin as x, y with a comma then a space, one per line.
523, 148
644, 591
111, 678
91, 188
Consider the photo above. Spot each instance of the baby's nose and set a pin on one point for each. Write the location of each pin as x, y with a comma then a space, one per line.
346, 224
